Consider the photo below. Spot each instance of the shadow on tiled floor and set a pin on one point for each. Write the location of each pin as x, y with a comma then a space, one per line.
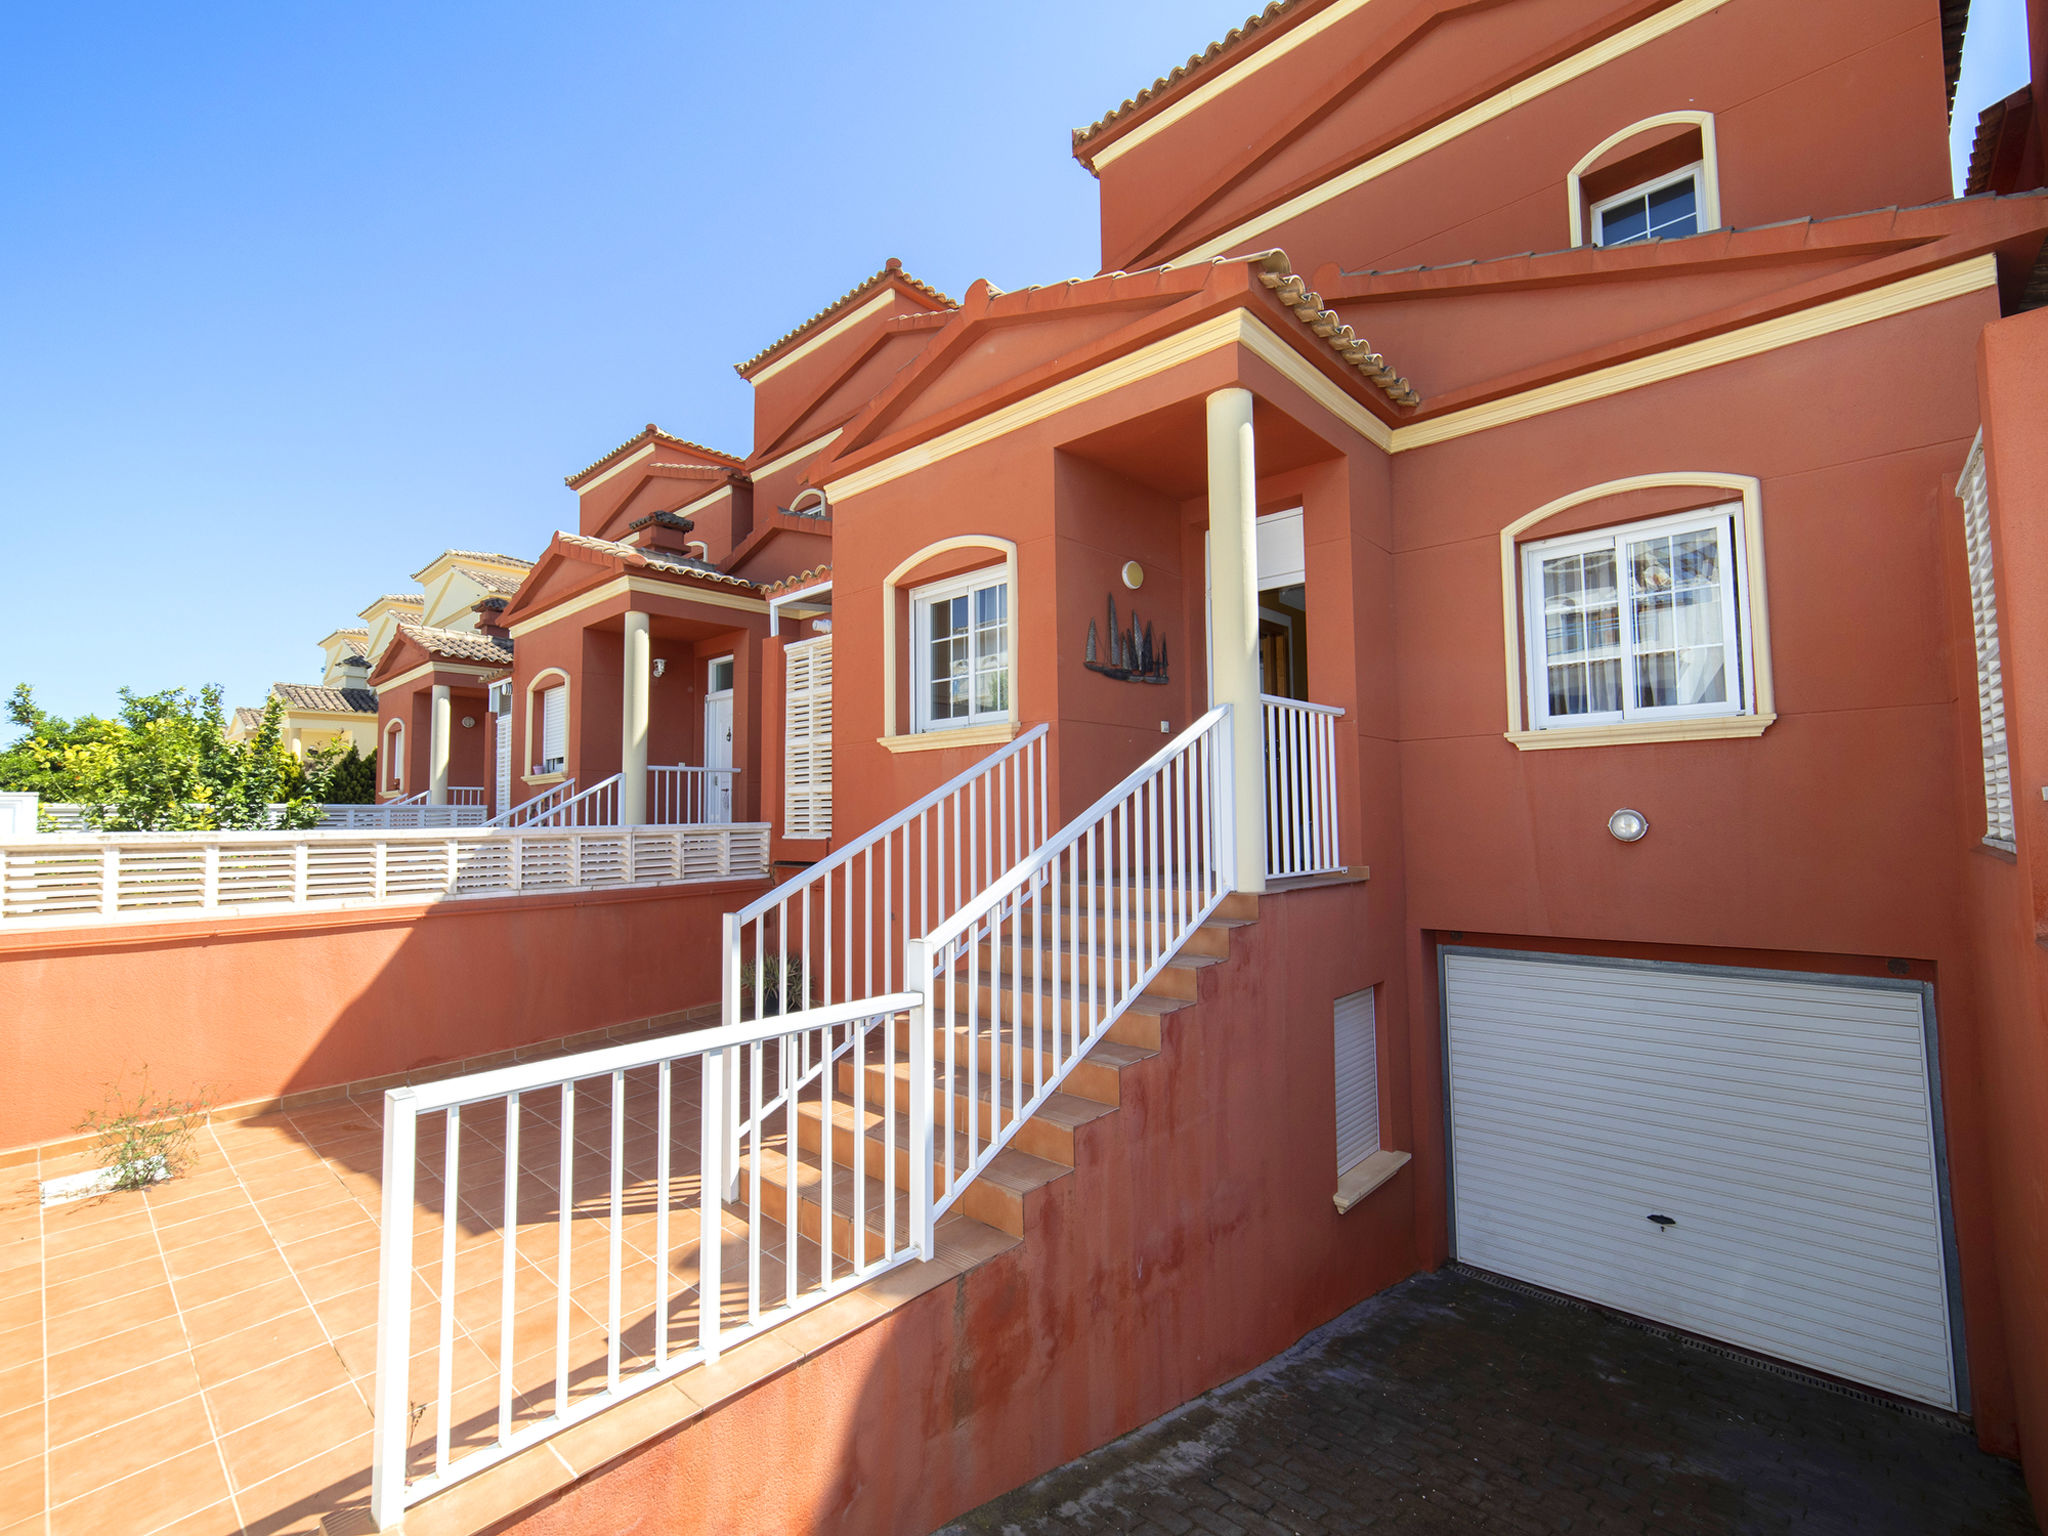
1449, 1404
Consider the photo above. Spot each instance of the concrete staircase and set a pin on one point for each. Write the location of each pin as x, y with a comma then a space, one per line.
1044, 1147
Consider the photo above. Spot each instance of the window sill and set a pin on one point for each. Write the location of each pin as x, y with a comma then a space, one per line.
966, 736
1714, 728
1362, 1178
542, 778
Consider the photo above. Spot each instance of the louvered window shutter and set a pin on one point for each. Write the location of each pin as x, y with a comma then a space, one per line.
807, 739
1974, 491
554, 728
1358, 1080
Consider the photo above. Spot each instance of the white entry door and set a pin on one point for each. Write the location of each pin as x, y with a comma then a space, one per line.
1747, 1155
718, 739
501, 727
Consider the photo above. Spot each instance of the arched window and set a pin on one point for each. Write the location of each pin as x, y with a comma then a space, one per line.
1648, 625
547, 723
1657, 179
394, 756
962, 652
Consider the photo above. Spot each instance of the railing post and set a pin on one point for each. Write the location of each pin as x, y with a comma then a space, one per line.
301, 856
390, 1408
110, 878
1223, 845
917, 977
712, 1177
209, 877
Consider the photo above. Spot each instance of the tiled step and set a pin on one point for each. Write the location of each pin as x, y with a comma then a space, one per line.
998, 1194
1047, 967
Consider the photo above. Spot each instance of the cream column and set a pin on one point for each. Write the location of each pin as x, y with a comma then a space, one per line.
437, 747
1234, 620
638, 670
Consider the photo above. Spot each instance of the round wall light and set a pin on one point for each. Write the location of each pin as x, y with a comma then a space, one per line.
468, 721
1134, 575
1627, 825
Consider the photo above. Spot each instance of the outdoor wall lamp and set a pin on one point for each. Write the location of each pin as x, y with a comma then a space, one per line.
1627, 825
1134, 575
660, 665
468, 721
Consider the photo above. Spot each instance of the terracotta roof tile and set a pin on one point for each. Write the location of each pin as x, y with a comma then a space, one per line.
1200, 63
1991, 140
479, 554
490, 581
356, 701
247, 719
653, 559
815, 574
1955, 21
647, 434
403, 599
892, 268
458, 644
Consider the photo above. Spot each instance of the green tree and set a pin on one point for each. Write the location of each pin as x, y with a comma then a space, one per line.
164, 764
23, 767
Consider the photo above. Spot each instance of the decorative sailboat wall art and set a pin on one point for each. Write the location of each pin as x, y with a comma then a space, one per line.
1133, 658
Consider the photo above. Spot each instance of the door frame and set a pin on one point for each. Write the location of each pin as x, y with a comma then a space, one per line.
1930, 1045
723, 793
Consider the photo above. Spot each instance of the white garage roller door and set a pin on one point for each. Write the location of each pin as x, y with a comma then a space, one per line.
1779, 1126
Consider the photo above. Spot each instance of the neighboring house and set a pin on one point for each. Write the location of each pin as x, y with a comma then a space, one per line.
316, 717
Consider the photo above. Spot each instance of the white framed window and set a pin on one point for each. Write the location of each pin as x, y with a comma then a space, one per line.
394, 755
1665, 209
501, 698
1357, 1078
1974, 491
960, 652
554, 730
1643, 622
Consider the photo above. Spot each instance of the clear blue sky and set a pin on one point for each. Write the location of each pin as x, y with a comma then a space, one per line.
292, 297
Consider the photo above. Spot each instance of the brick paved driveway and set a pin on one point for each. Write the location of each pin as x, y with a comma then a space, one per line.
1449, 1404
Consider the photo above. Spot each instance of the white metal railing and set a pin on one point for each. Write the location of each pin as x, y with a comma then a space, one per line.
1025, 980
534, 811
681, 795
66, 880
1301, 787
552, 1216
836, 931
396, 814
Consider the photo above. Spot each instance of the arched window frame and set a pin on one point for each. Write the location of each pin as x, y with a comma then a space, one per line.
914, 740
1709, 169
1753, 608
394, 757
546, 678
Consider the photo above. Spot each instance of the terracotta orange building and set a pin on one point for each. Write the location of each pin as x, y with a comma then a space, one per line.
1474, 693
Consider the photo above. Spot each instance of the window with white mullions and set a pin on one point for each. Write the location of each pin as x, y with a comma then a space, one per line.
962, 652
1636, 623
1665, 209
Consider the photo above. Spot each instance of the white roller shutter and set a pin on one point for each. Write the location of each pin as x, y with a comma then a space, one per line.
554, 728
807, 739
1975, 493
1781, 1124
1357, 1080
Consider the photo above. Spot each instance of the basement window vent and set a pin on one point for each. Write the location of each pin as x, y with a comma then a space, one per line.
1357, 1079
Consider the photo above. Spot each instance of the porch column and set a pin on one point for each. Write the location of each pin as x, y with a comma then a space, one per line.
437, 747
638, 672
1234, 620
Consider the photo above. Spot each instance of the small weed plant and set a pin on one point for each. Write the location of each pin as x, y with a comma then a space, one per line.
142, 1135
782, 984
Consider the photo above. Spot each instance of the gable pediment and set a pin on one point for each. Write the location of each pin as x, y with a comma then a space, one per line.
563, 572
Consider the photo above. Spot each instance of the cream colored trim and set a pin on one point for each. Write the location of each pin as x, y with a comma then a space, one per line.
1365, 1176
624, 464
1716, 728
542, 778
462, 668
1231, 74
1755, 607
534, 689
763, 471
1008, 549
1710, 168
966, 736
1963, 277
1602, 53
621, 584
839, 327
1237, 328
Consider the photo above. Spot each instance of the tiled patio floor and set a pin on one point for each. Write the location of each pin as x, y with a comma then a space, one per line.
199, 1357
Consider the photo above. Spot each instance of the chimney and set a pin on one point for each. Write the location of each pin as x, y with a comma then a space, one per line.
490, 617
664, 531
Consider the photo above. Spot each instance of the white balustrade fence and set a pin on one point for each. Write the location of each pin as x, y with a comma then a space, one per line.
836, 932
681, 796
396, 814
535, 811
521, 1205
1301, 787
67, 880
1026, 979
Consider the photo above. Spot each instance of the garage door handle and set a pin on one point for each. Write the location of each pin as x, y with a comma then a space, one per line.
1663, 1220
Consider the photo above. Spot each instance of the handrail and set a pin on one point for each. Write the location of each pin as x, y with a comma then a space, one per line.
1299, 745
1301, 704
532, 806
993, 895
845, 853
